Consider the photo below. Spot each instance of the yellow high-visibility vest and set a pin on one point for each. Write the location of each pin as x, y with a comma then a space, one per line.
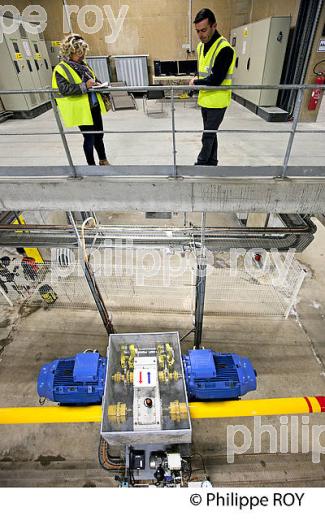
74, 110
214, 98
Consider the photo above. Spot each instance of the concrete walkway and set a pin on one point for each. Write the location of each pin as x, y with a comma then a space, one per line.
238, 149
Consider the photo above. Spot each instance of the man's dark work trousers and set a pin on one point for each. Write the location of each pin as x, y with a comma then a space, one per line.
212, 119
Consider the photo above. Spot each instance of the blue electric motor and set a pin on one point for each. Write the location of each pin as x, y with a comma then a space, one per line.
209, 375
77, 380
214, 375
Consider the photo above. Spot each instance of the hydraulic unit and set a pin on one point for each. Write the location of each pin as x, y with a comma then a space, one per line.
145, 384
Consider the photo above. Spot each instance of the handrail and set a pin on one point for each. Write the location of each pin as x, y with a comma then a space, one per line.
175, 88
149, 88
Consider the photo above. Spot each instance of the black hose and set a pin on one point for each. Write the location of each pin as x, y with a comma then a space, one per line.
197, 454
106, 460
314, 69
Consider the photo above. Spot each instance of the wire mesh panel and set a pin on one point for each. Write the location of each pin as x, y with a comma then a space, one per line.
44, 282
19, 279
262, 287
158, 281
154, 281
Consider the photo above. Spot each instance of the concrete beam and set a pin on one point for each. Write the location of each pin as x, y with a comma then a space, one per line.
153, 188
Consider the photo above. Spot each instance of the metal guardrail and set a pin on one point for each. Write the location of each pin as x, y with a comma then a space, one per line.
174, 88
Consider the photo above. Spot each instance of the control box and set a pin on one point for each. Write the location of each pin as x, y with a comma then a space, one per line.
145, 399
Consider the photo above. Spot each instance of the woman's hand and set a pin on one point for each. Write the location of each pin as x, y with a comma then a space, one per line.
90, 83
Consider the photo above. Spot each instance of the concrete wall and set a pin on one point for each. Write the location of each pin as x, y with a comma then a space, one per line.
158, 28
240, 13
265, 9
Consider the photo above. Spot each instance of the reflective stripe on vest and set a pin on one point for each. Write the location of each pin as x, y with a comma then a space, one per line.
68, 73
74, 110
206, 74
214, 98
69, 77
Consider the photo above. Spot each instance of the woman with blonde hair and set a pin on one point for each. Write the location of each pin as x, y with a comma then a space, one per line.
77, 103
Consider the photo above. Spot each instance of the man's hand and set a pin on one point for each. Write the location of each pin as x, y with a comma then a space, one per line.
191, 83
90, 83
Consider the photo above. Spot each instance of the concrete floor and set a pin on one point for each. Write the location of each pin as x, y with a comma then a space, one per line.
289, 355
133, 149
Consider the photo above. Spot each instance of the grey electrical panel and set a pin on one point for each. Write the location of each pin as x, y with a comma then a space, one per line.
41, 62
53, 50
19, 72
260, 49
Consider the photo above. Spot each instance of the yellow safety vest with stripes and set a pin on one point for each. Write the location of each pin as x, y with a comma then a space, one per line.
74, 110
214, 98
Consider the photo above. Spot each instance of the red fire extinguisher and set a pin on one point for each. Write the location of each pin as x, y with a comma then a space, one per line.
317, 92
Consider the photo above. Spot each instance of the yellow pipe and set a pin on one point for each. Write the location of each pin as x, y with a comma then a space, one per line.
251, 408
51, 414
248, 408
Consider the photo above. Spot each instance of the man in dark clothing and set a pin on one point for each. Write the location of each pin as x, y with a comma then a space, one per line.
216, 60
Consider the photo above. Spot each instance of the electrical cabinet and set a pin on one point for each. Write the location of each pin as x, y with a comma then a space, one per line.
19, 72
41, 59
35, 45
260, 49
53, 49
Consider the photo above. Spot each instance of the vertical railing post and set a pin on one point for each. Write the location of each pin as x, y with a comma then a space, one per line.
173, 133
296, 117
62, 134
